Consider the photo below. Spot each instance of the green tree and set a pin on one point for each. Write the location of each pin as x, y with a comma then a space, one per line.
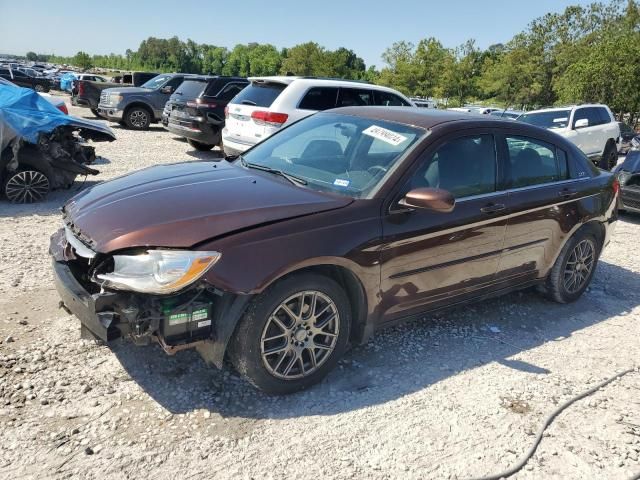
82, 60
32, 56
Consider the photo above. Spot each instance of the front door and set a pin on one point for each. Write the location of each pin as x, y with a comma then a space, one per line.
430, 258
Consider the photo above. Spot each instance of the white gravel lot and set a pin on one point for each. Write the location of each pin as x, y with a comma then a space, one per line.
447, 397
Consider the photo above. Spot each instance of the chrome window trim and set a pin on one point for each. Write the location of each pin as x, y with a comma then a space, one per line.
522, 189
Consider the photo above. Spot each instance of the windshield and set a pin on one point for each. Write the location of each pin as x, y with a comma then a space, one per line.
156, 82
336, 153
550, 119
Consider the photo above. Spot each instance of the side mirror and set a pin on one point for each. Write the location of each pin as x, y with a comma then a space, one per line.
434, 199
166, 89
583, 122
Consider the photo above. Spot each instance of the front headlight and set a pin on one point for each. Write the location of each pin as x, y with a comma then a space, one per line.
114, 99
158, 271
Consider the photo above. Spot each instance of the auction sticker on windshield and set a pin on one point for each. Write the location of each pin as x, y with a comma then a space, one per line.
385, 135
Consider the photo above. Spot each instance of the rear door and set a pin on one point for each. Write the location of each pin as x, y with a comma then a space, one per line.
541, 197
257, 96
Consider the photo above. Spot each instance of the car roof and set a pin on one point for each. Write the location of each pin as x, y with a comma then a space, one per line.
317, 81
567, 107
419, 117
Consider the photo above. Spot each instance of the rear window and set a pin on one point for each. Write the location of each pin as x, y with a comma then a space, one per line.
260, 94
191, 88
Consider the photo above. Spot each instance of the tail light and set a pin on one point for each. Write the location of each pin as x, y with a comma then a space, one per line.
63, 108
269, 118
80, 88
616, 186
226, 112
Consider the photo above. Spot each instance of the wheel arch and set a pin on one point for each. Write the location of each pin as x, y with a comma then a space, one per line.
137, 103
345, 277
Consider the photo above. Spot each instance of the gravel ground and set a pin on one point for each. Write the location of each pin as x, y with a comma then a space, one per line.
458, 395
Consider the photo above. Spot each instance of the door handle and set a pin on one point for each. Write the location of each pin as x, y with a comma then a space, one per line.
493, 208
567, 193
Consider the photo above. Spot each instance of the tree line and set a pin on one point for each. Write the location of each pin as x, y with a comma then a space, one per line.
584, 54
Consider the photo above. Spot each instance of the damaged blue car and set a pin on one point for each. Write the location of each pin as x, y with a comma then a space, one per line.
41, 148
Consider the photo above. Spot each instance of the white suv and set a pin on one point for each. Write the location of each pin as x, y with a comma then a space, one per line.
592, 128
269, 103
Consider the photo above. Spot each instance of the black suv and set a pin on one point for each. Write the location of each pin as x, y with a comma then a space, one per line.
196, 109
21, 79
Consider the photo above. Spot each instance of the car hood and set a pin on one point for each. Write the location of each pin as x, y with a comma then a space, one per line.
181, 205
128, 90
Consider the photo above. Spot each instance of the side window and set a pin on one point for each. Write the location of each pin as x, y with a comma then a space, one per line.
18, 74
533, 162
230, 91
389, 99
604, 115
174, 82
350, 97
589, 113
319, 98
465, 166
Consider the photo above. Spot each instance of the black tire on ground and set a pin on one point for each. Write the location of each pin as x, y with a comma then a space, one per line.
199, 145
137, 118
95, 112
39, 88
559, 286
609, 157
253, 333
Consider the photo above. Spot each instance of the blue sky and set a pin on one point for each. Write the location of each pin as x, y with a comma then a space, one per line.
367, 27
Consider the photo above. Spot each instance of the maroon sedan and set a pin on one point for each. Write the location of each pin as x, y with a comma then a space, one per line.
343, 223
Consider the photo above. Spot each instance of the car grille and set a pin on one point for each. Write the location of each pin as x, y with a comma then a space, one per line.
104, 97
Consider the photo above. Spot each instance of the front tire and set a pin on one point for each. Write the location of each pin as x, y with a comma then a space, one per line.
609, 157
203, 147
137, 118
574, 268
292, 335
95, 112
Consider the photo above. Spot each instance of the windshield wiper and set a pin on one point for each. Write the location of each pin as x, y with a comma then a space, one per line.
292, 178
248, 102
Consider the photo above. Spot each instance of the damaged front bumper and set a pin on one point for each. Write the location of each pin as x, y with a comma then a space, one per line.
201, 317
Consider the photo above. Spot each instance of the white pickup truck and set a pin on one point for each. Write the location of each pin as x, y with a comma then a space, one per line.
593, 128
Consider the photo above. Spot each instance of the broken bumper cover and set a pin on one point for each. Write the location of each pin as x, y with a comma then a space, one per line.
83, 305
174, 321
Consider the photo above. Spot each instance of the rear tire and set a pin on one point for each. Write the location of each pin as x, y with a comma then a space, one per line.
609, 157
39, 88
292, 335
203, 147
574, 268
95, 112
137, 118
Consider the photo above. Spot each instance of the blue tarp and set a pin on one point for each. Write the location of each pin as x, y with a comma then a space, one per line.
65, 81
26, 114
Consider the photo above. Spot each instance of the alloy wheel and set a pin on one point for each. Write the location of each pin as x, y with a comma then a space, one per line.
26, 186
579, 266
138, 118
300, 335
